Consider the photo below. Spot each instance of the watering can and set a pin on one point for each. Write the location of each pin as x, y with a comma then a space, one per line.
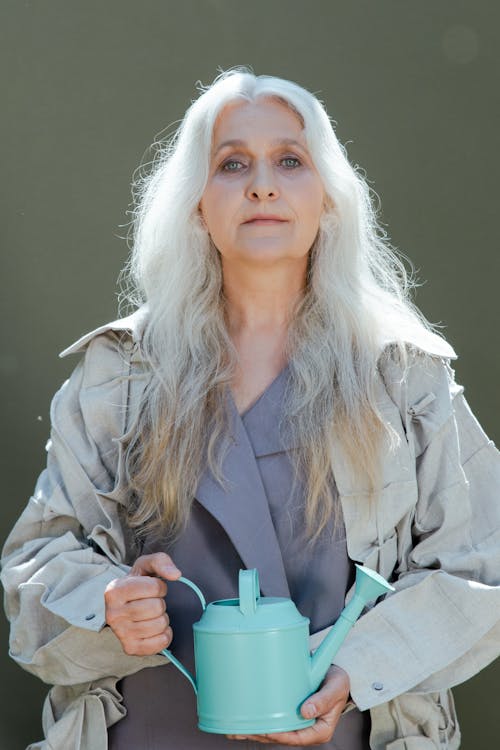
253, 665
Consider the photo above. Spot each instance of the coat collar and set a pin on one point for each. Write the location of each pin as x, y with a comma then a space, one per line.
243, 509
135, 324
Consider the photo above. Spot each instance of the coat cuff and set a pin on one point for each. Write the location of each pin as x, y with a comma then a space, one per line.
84, 606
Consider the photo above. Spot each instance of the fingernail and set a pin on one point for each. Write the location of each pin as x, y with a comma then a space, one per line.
309, 710
171, 569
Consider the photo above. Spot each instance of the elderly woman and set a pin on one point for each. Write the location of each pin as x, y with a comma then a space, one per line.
275, 401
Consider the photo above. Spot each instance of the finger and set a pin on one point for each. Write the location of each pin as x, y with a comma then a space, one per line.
149, 646
320, 732
130, 588
149, 628
335, 689
296, 738
263, 738
145, 609
157, 564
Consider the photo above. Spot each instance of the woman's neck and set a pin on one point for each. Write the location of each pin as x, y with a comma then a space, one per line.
259, 301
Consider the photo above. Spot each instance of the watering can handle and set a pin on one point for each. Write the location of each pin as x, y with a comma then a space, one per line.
168, 653
249, 591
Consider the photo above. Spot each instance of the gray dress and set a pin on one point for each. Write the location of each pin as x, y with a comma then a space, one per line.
257, 523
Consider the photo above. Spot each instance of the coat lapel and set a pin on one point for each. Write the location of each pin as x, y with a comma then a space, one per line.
243, 510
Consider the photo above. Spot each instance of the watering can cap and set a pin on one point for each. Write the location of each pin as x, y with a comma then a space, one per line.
250, 611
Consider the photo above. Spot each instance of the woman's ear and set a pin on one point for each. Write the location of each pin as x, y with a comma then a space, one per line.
328, 204
200, 214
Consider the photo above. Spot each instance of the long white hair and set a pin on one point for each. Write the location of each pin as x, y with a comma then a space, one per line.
356, 307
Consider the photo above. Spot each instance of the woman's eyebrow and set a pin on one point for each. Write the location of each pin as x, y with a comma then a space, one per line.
275, 142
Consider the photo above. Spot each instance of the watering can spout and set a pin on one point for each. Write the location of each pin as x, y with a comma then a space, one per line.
369, 586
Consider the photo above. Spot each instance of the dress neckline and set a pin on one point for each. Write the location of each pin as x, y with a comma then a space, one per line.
259, 398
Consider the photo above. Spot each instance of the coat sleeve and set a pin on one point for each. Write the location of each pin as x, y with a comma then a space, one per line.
442, 624
69, 542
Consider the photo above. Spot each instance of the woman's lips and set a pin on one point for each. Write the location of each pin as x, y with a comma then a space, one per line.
266, 221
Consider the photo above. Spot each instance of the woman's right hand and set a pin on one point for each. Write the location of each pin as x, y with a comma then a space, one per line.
135, 605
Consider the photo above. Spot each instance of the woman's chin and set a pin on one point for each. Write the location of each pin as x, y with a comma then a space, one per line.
264, 253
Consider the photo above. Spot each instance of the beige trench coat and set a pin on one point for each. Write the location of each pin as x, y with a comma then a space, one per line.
435, 534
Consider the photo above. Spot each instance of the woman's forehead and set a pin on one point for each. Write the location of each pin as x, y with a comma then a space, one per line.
239, 119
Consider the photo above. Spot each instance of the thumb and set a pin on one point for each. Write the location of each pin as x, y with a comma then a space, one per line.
335, 689
157, 564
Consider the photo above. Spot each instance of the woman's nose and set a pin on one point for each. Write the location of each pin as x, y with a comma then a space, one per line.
262, 182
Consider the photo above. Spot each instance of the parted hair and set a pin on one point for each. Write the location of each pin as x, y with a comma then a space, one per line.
355, 310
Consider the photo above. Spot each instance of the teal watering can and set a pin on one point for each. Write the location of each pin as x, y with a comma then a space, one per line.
253, 665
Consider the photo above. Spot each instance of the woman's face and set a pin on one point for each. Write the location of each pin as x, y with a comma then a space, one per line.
260, 165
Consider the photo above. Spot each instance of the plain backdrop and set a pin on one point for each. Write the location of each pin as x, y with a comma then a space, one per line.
86, 87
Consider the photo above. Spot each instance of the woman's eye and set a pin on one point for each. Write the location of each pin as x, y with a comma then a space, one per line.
234, 165
293, 159
227, 166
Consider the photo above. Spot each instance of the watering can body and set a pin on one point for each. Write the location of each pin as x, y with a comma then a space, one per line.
254, 678
253, 665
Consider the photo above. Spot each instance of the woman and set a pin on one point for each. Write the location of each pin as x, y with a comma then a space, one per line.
276, 401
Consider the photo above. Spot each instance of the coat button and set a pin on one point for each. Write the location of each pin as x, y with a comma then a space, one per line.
377, 686
90, 617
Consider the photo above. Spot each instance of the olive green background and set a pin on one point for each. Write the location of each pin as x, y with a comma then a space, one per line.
87, 86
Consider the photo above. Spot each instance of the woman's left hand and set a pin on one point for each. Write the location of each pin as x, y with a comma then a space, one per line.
326, 706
